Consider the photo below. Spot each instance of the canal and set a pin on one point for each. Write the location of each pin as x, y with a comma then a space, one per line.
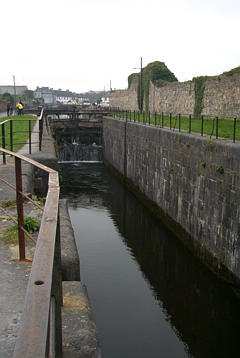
150, 297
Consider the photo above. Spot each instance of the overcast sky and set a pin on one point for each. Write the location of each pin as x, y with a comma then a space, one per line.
83, 45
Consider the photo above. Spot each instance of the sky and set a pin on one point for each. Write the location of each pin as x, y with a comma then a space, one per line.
88, 45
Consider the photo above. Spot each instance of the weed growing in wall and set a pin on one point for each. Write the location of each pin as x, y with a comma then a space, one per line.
220, 169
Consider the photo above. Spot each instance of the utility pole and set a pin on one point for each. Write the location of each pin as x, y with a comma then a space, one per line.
140, 85
14, 92
141, 104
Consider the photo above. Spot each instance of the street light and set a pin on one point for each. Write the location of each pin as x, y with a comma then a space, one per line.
140, 85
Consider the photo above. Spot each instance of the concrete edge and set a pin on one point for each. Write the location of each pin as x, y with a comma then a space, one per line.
80, 339
69, 253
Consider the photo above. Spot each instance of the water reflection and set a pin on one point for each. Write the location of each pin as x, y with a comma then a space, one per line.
178, 307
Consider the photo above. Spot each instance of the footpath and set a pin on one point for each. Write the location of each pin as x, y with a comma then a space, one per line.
79, 330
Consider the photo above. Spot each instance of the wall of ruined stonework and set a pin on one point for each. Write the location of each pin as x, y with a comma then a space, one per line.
175, 98
221, 97
125, 99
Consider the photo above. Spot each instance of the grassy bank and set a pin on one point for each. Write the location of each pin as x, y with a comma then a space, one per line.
223, 128
20, 125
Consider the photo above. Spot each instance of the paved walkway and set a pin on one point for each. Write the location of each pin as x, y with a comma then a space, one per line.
79, 330
14, 275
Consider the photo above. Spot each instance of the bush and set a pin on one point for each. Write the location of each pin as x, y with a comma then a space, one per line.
30, 224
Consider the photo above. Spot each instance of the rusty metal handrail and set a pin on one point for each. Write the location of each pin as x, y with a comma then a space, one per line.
41, 318
2, 125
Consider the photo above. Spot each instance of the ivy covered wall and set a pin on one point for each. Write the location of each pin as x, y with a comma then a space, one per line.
216, 95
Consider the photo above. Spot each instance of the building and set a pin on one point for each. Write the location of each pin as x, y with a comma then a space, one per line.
11, 90
51, 96
45, 93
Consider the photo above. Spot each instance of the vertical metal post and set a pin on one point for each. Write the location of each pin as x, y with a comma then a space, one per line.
30, 136
162, 119
40, 133
216, 127
190, 124
3, 142
11, 135
179, 122
134, 116
201, 125
138, 117
234, 129
149, 117
170, 120
155, 119
19, 199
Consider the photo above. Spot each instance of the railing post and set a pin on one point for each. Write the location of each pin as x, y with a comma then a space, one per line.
179, 122
190, 123
162, 119
202, 118
3, 143
19, 199
149, 117
134, 116
170, 120
216, 127
155, 119
40, 133
11, 135
234, 129
30, 136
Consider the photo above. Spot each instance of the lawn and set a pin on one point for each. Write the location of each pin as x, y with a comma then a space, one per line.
222, 128
20, 130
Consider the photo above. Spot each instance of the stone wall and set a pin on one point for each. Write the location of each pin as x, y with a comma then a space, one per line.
192, 181
221, 97
125, 99
176, 98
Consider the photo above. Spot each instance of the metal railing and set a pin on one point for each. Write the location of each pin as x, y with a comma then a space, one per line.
40, 333
209, 125
11, 132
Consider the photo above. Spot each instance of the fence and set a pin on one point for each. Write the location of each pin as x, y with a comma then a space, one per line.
9, 135
205, 125
40, 333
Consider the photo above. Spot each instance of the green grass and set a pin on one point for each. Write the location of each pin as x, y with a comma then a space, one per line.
20, 131
225, 126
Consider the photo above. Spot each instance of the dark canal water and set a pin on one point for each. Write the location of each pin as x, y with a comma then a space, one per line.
150, 297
